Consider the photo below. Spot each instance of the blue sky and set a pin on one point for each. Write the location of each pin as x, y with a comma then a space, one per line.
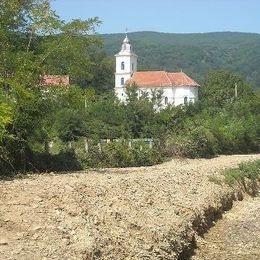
179, 16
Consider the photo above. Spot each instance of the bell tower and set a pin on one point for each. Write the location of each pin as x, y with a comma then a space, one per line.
126, 65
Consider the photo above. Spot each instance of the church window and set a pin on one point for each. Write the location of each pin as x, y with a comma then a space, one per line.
166, 100
122, 81
185, 100
122, 65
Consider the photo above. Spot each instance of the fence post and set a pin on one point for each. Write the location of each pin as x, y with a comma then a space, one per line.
86, 145
99, 147
51, 143
150, 144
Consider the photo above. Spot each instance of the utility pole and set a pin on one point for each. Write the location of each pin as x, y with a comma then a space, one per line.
85, 102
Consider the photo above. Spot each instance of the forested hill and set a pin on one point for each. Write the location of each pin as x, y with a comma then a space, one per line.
195, 53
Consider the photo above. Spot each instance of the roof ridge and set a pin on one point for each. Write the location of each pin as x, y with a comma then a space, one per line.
168, 78
184, 77
189, 78
151, 71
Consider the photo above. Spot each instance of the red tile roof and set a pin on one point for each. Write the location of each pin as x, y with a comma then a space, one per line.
161, 79
55, 80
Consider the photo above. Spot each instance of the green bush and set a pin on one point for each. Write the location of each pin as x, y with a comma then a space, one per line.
119, 154
247, 176
251, 170
233, 176
215, 179
6, 162
199, 142
64, 161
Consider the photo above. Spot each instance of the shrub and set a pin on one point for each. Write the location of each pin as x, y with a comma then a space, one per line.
65, 160
246, 176
233, 176
119, 154
215, 179
199, 142
251, 170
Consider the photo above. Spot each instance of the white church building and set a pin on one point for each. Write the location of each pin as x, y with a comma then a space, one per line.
177, 87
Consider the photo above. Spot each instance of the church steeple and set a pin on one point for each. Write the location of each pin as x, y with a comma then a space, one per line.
126, 46
126, 65
126, 38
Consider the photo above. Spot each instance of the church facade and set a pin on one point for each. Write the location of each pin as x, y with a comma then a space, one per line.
177, 88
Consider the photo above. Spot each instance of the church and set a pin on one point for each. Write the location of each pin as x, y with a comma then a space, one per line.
177, 87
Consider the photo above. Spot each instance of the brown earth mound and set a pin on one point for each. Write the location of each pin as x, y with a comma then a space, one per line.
236, 236
131, 213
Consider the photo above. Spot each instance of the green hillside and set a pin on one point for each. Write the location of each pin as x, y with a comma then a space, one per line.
196, 54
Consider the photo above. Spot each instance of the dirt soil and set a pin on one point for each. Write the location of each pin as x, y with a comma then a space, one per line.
236, 236
132, 213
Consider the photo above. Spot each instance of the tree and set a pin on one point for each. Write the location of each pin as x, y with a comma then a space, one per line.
70, 126
103, 73
106, 117
140, 112
219, 88
31, 33
6, 116
69, 52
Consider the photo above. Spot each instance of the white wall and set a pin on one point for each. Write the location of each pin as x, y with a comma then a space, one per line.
175, 95
128, 60
185, 91
127, 72
120, 93
118, 77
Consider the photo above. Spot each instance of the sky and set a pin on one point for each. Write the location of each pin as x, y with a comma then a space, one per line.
173, 16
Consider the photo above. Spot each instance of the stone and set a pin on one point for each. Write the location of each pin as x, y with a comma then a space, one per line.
96, 221
3, 242
73, 232
68, 187
38, 199
35, 237
37, 228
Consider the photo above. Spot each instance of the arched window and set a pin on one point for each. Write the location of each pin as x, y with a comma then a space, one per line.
185, 100
122, 81
122, 65
166, 100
